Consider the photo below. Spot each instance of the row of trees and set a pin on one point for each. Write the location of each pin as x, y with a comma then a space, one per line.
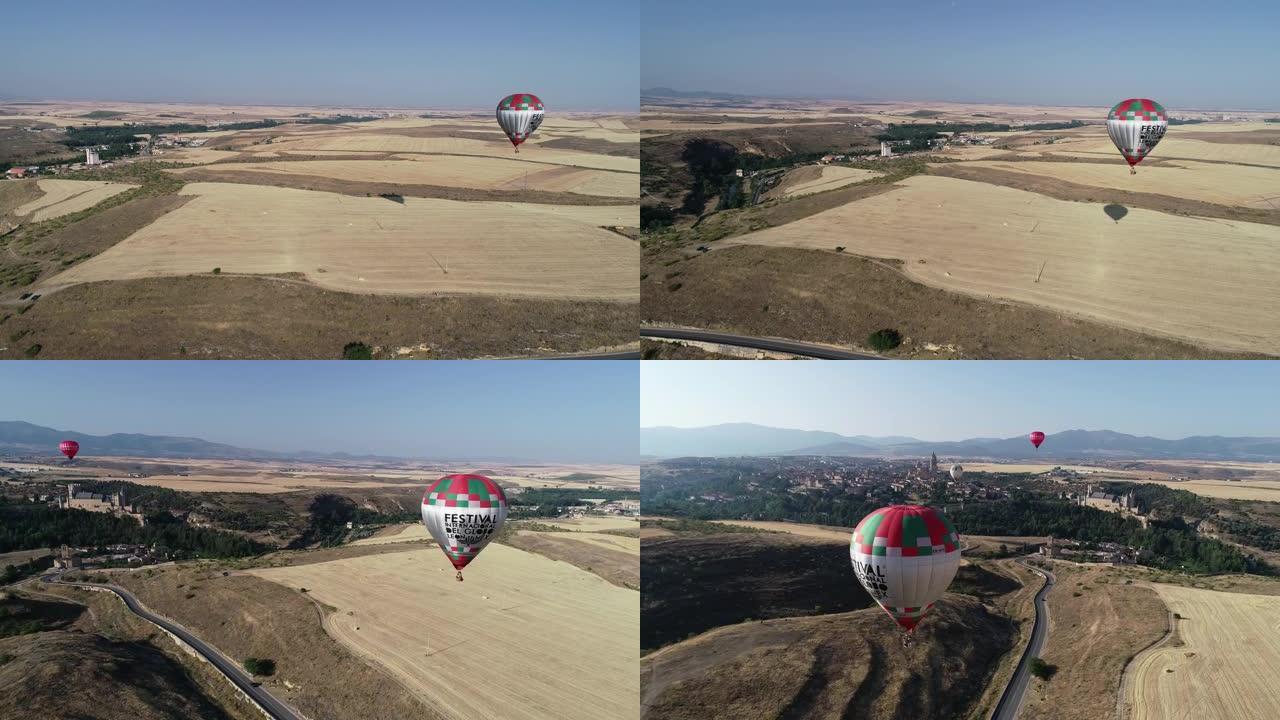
1174, 545
14, 573
38, 526
546, 502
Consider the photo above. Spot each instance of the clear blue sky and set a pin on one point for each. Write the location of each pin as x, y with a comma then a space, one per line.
574, 55
943, 401
1212, 54
568, 411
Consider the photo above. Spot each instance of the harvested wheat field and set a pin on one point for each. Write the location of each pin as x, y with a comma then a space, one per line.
1223, 184
62, 197
1173, 147
198, 156
455, 171
525, 637
254, 483
1207, 281
817, 178
1233, 489
409, 533
619, 543
1224, 666
530, 153
597, 523
374, 245
819, 532
1046, 467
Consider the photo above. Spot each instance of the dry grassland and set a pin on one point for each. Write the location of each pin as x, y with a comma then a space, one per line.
1096, 624
62, 197
1221, 668
523, 638
372, 245
1232, 185
1207, 281
454, 171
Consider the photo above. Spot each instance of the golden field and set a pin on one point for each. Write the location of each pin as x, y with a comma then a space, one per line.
371, 245
1222, 667
525, 637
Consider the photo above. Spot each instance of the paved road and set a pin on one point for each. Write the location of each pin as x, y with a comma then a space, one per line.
277, 709
821, 352
1011, 700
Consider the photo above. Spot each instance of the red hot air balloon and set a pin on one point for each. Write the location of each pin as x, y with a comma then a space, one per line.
1037, 437
69, 448
463, 513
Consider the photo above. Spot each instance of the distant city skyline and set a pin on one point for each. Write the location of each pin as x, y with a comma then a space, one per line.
397, 53
936, 401
557, 411
1089, 54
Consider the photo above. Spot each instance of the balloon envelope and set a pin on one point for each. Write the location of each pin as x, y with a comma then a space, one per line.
519, 115
1135, 126
957, 472
463, 513
1037, 437
69, 448
905, 556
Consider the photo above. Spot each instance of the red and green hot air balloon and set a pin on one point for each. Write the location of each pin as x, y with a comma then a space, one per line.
1135, 126
1037, 437
905, 556
519, 115
69, 448
463, 513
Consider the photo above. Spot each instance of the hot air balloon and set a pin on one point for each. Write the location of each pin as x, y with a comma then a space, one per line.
905, 556
463, 513
69, 448
1037, 437
519, 115
1135, 126
957, 472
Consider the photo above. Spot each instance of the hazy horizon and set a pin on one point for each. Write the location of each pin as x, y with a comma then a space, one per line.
940, 402
329, 54
1184, 55
553, 411
919, 100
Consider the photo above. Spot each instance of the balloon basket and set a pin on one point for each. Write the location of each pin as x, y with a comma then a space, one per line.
459, 576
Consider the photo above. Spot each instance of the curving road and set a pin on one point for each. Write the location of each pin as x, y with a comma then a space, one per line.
1011, 699
277, 709
803, 349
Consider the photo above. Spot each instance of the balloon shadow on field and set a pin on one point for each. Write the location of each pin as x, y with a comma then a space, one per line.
1115, 212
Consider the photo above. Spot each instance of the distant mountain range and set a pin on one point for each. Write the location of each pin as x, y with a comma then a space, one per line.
704, 94
736, 439
26, 438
